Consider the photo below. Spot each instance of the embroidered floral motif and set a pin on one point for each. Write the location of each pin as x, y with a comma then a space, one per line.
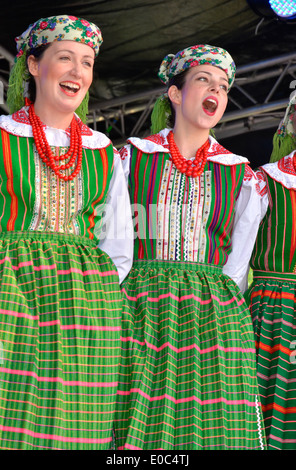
181, 188
181, 212
22, 117
158, 139
282, 171
59, 212
286, 165
261, 187
249, 173
123, 153
217, 149
85, 130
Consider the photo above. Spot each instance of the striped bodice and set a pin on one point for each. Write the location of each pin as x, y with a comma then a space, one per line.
275, 248
182, 218
33, 198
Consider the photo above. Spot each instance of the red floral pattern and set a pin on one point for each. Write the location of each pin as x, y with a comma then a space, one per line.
217, 149
56, 28
21, 116
249, 174
158, 139
261, 186
286, 165
123, 153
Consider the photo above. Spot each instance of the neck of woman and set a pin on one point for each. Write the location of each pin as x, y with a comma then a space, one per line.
188, 142
53, 119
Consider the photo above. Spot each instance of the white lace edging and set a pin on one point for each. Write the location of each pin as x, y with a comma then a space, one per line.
259, 423
150, 146
55, 137
286, 179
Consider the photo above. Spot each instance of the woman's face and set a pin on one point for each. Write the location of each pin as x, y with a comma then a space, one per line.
202, 100
63, 75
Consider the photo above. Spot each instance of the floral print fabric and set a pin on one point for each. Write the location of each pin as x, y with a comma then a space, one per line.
58, 28
197, 55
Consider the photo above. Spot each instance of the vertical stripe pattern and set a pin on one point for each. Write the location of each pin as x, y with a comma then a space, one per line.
272, 299
33, 199
275, 248
170, 200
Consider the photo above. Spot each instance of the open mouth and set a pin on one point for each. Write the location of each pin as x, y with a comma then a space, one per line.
70, 88
210, 105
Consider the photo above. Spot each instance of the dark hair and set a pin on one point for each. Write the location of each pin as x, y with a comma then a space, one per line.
37, 52
179, 81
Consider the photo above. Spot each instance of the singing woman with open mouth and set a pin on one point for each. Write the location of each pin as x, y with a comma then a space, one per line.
188, 369
60, 301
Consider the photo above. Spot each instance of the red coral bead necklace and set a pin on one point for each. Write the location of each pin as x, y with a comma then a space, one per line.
189, 168
43, 148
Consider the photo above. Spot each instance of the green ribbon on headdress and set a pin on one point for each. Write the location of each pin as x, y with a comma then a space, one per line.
282, 146
284, 140
19, 74
160, 114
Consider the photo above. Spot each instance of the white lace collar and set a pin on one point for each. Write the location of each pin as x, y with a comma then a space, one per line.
282, 171
159, 143
18, 124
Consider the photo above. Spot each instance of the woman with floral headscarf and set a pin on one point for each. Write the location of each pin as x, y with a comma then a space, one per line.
188, 368
60, 267
272, 295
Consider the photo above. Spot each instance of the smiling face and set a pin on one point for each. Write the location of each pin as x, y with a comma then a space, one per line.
63, 76
202, 101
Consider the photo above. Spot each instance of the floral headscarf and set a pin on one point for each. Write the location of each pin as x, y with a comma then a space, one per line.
59, 28
201, 54
43, 32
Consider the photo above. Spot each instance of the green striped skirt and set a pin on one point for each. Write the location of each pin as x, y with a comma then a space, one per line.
187, 377
272, 298
60, 313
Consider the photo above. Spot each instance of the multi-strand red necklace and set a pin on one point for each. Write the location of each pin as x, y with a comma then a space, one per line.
194, 167
74, 154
